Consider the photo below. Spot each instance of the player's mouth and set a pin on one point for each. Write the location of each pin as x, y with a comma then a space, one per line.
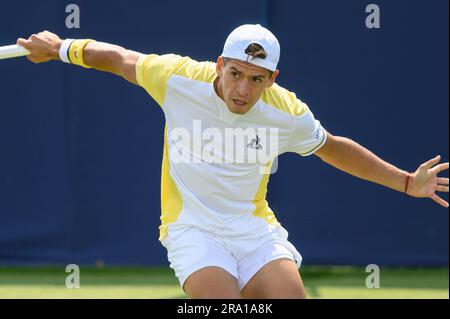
239, 102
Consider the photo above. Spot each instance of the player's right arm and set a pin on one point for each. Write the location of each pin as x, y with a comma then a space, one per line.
101, 56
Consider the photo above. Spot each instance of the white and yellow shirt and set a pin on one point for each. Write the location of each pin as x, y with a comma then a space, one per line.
224, 197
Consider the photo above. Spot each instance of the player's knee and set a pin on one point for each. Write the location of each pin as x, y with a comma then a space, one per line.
211, 283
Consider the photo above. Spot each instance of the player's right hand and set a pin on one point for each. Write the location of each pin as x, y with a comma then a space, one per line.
43, 46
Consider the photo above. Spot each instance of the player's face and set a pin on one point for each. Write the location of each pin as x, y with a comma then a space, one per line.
241, 84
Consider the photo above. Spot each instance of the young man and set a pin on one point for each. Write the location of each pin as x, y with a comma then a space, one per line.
223, 240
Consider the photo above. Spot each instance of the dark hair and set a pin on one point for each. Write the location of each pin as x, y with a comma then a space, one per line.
254, 50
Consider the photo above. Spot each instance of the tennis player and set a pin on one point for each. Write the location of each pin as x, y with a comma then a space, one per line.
222, 238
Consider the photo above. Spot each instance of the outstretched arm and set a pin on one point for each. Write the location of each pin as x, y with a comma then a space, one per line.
356, 160
45, 46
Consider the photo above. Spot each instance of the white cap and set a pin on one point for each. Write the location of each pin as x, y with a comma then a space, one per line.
239, 40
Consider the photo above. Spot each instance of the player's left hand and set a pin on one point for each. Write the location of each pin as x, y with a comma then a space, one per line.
425, 182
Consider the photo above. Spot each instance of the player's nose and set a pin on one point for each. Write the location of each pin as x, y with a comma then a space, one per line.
243, 88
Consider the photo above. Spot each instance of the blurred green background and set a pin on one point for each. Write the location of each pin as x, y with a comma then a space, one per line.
161, 283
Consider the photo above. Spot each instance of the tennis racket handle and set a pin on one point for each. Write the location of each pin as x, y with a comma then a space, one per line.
13, 51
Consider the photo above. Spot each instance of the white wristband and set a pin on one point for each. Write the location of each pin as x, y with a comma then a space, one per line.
64, 50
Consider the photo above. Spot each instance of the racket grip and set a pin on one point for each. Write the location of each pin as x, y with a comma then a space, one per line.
13, 51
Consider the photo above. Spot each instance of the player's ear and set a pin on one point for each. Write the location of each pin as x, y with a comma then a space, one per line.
219, 66
273, 78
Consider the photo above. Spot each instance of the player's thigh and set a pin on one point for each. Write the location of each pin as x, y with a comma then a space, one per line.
212, 283
204, 267
279, 278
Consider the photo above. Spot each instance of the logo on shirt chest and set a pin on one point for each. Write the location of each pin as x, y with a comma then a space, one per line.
255, 143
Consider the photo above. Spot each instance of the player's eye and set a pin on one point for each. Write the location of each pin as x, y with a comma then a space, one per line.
234, 74
257, 80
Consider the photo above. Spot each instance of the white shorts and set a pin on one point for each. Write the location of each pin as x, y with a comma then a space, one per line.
192, 248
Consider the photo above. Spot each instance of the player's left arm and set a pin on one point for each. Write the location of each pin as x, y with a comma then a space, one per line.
358, 161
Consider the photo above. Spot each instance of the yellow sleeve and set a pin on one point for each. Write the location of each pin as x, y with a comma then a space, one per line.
307, 134
154, 71
284, 100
